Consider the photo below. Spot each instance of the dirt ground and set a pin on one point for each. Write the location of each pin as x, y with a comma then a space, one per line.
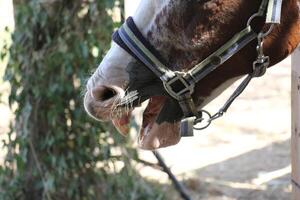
243, 156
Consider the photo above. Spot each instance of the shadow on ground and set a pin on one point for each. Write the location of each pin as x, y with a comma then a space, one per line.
262, 174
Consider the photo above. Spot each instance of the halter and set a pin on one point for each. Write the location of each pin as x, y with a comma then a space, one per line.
180, 85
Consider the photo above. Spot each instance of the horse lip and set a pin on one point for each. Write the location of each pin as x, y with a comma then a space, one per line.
155, 135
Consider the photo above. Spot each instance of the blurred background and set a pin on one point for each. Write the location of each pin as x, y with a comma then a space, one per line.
50, 149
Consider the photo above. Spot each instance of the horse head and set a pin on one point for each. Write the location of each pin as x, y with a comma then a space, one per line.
184, 33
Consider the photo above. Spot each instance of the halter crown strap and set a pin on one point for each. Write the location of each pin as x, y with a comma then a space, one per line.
239, 41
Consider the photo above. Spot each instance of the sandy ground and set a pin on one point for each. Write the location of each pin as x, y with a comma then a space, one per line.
243, 156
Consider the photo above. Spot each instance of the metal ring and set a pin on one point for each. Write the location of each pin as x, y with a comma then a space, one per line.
252, 17
200, 120
264, 34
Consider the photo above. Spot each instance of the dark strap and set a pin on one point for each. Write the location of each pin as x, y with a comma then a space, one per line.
137, 45
234, 45
117, 39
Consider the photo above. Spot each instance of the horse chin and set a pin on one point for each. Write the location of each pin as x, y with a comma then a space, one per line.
154, 135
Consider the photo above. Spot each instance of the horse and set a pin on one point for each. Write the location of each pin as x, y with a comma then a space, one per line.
184, 33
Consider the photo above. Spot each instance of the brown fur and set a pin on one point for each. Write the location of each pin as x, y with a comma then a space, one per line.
186, 32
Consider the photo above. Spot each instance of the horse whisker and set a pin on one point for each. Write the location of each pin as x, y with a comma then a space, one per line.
124, 104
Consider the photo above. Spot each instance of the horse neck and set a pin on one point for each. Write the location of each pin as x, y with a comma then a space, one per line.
185, 32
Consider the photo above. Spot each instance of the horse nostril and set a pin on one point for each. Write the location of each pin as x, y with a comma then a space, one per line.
103, 93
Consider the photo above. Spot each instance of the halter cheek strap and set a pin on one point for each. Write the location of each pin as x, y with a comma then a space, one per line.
180, 85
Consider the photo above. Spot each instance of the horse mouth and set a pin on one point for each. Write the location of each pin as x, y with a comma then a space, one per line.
152, 135
117, 107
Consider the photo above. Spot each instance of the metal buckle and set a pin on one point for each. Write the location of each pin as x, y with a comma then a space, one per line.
199, 122
178, 86
262, 62
260, 66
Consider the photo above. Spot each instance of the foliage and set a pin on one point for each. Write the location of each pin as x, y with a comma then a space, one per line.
55, 150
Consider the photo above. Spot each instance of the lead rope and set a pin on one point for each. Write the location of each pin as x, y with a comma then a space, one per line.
260, 66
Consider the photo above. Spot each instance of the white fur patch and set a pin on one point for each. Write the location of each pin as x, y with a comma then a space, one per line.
111, 71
